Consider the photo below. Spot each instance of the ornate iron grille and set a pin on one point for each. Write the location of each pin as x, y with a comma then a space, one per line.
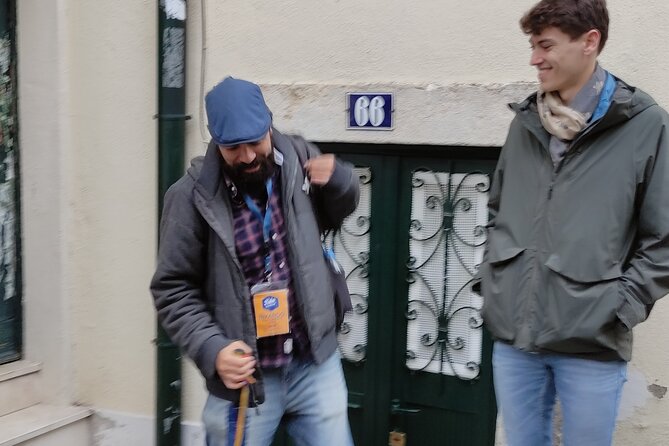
351, 246
446, 240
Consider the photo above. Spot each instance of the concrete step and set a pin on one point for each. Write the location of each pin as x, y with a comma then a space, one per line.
46, 425
19, 386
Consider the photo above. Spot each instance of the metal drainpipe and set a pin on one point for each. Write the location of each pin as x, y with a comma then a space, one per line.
171, 135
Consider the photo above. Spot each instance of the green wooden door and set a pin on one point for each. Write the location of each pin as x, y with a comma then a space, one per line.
415, 354
10, 299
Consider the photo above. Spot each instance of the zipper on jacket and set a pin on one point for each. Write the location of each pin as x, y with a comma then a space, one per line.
571, 153
583, 135
292, 252
554, 173
531, 306
580, 138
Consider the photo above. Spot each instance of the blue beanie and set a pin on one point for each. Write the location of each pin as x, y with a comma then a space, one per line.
236, 112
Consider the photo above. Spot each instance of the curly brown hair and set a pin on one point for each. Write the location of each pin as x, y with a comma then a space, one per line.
572, 17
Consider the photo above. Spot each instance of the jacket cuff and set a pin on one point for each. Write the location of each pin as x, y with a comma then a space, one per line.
339, 180
206, 358
631, 312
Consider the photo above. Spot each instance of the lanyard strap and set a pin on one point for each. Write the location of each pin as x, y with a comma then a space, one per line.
265, 220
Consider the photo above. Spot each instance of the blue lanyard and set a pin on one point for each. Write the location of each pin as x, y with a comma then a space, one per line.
266, 221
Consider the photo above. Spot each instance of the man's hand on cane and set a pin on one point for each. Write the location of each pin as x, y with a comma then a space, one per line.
233, 368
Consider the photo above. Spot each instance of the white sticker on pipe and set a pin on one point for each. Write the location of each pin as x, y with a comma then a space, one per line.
175, 9
173, 57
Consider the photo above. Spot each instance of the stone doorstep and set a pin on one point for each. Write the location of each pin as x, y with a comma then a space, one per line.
38, 420
19, 386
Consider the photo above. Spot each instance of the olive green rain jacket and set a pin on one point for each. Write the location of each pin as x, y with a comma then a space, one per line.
578, 253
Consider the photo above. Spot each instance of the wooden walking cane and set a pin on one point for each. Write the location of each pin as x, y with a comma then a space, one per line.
243, 405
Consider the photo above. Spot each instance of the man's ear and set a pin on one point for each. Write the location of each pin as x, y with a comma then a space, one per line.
591, 41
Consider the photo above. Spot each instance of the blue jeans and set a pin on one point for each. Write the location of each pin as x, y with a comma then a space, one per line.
311, 399
526, 385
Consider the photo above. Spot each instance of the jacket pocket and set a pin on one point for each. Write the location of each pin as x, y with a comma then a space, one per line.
500, 256
504, 274
595, 270
579, 309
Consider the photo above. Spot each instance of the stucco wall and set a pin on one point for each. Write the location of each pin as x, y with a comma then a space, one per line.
89, 147
45, 217
113, 86
87, 76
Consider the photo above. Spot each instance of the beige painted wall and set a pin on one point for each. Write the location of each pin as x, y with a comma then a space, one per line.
88, 146
113, 80
88, 82
45, 217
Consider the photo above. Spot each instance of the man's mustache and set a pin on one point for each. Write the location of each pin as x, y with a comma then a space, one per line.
241, 167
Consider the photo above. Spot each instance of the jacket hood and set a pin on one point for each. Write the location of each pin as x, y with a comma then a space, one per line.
206, 171
195, 167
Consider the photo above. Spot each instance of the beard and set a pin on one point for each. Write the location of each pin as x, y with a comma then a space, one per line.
251, 182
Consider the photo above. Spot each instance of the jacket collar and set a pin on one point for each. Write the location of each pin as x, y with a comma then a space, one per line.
528, 115
289, 164
627, 102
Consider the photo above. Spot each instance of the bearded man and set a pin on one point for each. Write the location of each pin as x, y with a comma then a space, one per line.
242, 285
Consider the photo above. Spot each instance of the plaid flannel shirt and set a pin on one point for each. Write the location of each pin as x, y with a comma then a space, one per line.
250, 249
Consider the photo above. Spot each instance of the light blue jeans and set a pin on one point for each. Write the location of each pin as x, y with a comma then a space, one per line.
311, 399
526, 385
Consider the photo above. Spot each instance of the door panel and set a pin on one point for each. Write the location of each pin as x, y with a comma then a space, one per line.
441, 356
364, 237
426, 368
414, 351
352, 247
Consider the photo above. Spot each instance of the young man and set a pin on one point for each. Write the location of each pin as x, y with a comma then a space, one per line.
578, 247
241, 283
